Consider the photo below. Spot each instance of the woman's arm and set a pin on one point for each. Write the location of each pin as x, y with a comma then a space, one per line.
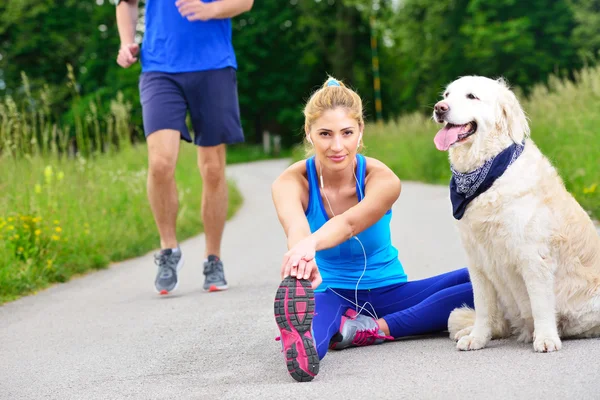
288, 192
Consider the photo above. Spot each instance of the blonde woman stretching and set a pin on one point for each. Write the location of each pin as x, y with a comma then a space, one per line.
341, 267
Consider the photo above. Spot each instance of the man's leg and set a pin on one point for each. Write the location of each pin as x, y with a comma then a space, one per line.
211, 162
215, 115
163, 150
164, 109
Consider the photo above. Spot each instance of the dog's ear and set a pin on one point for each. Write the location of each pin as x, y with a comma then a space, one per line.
510, 116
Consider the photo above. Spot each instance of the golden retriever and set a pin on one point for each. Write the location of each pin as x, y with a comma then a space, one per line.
534, 253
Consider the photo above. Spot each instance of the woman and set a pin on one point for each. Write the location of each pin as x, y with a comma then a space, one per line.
335, 209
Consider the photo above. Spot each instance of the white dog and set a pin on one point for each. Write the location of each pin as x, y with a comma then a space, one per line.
534, 253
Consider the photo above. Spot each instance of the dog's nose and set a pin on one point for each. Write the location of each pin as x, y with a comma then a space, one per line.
441, 108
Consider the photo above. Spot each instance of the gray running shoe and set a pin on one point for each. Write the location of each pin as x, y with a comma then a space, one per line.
357, 330
169, 262
214, 277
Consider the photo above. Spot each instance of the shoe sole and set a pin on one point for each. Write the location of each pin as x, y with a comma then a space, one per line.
164, 292
215, 288
294, 311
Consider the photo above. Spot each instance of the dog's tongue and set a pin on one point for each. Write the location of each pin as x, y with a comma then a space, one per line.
447, 136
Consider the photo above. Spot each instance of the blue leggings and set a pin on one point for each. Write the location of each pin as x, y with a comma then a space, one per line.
409, 308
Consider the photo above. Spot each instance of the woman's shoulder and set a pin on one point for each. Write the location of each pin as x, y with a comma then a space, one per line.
375, 164
380, 170
293, 181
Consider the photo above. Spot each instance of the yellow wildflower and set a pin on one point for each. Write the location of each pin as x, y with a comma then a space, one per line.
10, 219
56, 222
58, 229
60, 176
16, 236
38, 232
48, 173
20, 249
591, 189
25, 226
10, 228
55, 237
38, 188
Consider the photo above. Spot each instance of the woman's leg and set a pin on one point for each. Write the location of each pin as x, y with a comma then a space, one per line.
329, 308
421, 307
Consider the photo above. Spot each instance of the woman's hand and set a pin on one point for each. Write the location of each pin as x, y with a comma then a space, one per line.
299, 261
311, 272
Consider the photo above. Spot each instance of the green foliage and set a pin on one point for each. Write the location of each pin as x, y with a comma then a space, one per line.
585, 35
435, 42
94, 125
273, 64
60, 217
285, 50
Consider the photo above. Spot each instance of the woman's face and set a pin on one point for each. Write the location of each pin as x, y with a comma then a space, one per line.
336, 137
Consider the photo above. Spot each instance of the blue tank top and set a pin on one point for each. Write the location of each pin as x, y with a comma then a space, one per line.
342, 266
173, 44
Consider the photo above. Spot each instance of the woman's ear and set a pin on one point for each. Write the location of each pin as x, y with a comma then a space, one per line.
308, 137
361, 129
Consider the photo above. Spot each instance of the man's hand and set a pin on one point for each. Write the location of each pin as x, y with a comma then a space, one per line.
196, 10
127, 54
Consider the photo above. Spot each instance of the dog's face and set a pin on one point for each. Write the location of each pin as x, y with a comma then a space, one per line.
478, 111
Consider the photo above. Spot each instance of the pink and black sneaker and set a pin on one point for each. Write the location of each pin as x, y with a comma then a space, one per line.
357, 330
294, 311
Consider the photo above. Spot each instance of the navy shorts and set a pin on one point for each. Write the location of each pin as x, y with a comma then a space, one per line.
210, 97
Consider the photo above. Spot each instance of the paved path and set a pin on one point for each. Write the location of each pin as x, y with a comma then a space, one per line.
109, 336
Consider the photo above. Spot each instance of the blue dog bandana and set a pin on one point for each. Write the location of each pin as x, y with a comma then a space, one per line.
465, 187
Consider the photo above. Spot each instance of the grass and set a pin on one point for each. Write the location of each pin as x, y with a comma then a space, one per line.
65, 217
564, 121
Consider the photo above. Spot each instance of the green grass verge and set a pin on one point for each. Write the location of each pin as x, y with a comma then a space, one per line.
564, 120
60, 218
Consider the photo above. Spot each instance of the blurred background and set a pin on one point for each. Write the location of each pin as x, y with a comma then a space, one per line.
72, 150
286, 48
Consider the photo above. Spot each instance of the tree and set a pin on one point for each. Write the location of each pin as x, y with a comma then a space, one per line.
436, 42
276, 67
585, 35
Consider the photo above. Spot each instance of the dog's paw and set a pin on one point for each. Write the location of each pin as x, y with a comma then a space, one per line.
526, 336
547, 343
463, 332
471, 343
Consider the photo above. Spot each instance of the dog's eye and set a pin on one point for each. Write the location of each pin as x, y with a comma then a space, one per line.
471, 96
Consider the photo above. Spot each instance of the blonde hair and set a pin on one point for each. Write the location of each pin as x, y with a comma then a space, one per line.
331, 95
